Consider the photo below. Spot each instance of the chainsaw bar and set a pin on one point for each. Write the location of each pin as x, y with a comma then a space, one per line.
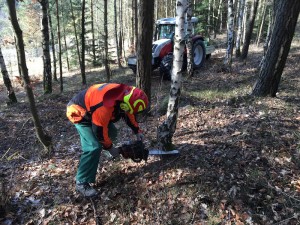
161, 152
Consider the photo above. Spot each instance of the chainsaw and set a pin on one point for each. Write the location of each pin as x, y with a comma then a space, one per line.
137, 151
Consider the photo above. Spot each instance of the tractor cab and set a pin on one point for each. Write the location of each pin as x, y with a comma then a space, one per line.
165, 28
162, 47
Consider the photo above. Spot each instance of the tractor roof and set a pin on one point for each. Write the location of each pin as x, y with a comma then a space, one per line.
172, 20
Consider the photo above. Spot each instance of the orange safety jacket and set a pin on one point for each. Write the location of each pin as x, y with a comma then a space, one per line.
100, 105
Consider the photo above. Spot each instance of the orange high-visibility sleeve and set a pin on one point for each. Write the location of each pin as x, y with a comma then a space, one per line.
75, 113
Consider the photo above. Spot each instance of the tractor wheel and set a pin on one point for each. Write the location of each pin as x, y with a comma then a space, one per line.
199, 54
166, 67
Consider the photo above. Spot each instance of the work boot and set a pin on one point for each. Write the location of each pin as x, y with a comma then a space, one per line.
86, 190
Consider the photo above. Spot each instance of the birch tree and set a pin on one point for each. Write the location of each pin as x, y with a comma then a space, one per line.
230, 35
167, 129
189, 41
239, 32
53, 47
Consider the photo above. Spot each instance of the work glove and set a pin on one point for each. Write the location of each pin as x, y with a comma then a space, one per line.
140, 137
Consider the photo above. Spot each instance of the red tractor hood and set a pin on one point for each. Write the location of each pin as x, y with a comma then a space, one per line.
161, 47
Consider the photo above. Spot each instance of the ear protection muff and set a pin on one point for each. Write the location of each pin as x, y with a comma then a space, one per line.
124, 107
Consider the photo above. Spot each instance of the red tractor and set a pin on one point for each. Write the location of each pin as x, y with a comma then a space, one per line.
162, 48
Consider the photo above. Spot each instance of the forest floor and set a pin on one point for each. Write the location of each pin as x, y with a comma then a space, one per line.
239, 159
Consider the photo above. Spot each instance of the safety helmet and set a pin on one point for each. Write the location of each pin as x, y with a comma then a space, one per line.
136, 100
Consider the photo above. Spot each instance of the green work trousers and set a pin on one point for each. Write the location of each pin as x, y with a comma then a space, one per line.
91, 149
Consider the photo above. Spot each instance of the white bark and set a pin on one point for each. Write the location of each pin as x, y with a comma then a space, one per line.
240, 25
189, 42
167, 129
230, 27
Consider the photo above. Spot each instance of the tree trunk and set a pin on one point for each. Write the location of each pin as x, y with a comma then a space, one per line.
280, 43
65, 38
83, 77
189, 41
245, 20
136, 30
43, 138
156, 9
144, 56
53, 48
218, 19
19, 66
264, 9
116, 33
93, 34
166, 8
239, 33
121, 34
10, 91
59, 46
267, 41
249, 30
208, 18
167, 129
66, 48
106, 63
47, 75
221, 20
75, 33
213, 16
132, 26
230, 37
